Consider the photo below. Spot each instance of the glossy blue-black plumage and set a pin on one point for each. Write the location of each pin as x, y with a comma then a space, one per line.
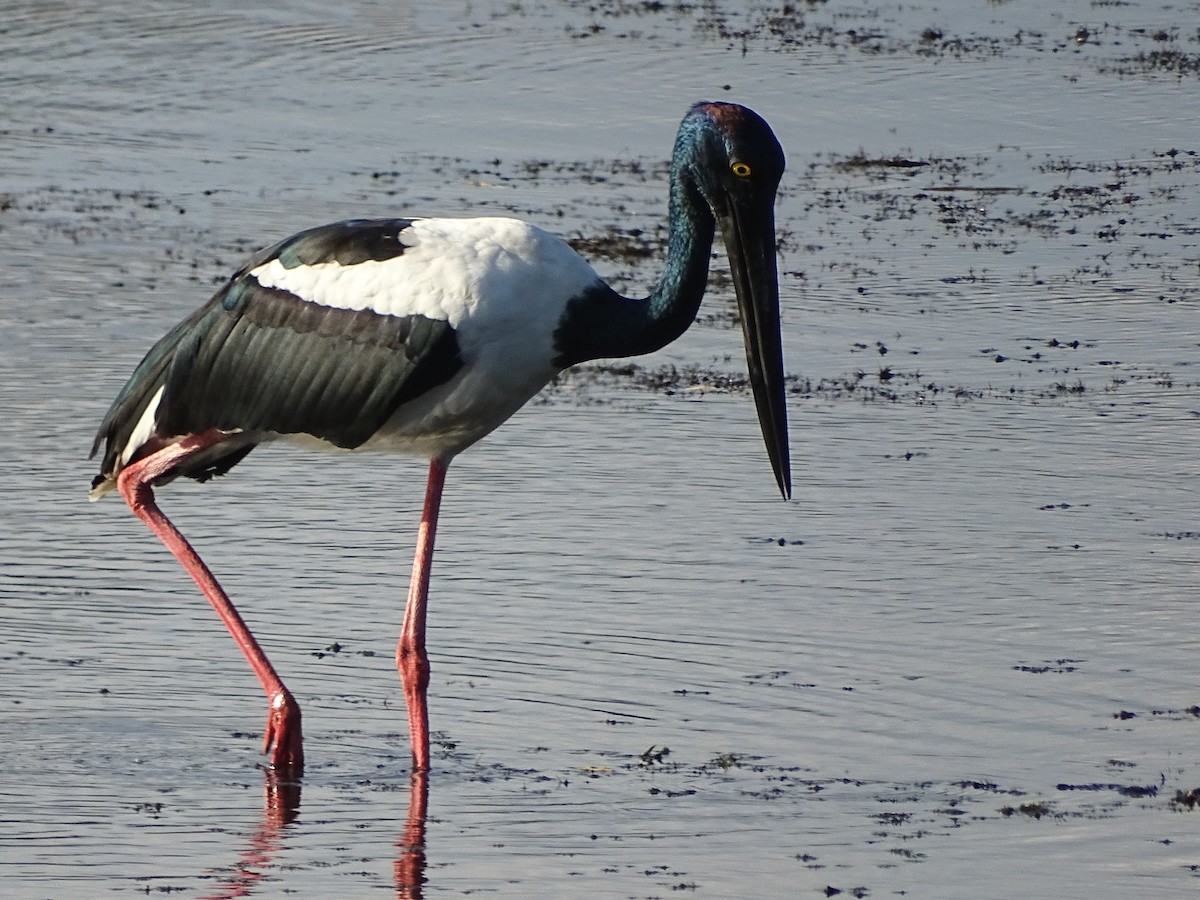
258, 360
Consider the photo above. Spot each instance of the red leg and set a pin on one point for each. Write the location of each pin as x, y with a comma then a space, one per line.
136, 485
411, 658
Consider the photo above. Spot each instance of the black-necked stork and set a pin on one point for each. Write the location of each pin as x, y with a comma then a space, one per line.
421, 335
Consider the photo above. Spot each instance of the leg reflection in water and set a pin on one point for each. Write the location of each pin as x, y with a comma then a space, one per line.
410, 861
281, 807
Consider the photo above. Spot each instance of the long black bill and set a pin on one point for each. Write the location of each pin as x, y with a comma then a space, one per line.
749, 232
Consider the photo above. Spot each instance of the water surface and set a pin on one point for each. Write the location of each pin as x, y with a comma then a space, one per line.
959, 663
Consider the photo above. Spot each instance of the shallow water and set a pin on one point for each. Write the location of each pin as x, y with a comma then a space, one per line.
959, 663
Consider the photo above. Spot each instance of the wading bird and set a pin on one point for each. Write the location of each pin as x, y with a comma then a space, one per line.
421, 335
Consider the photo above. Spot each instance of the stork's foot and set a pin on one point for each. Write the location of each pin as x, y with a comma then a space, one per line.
283, 738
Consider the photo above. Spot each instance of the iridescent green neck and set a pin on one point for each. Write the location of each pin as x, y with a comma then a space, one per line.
603, 324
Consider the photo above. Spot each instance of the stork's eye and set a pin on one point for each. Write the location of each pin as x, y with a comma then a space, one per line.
740, 169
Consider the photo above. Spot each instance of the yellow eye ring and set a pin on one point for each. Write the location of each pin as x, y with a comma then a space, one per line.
740, 169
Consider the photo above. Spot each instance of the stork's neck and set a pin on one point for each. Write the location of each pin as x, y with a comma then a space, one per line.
673, 304
602, 324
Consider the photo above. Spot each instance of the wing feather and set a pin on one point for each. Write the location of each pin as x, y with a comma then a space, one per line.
263, 361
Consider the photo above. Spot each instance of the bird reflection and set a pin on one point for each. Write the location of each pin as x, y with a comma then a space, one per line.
281, 807
410, 862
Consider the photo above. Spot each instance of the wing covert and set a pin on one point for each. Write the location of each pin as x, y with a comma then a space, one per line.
260, 359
